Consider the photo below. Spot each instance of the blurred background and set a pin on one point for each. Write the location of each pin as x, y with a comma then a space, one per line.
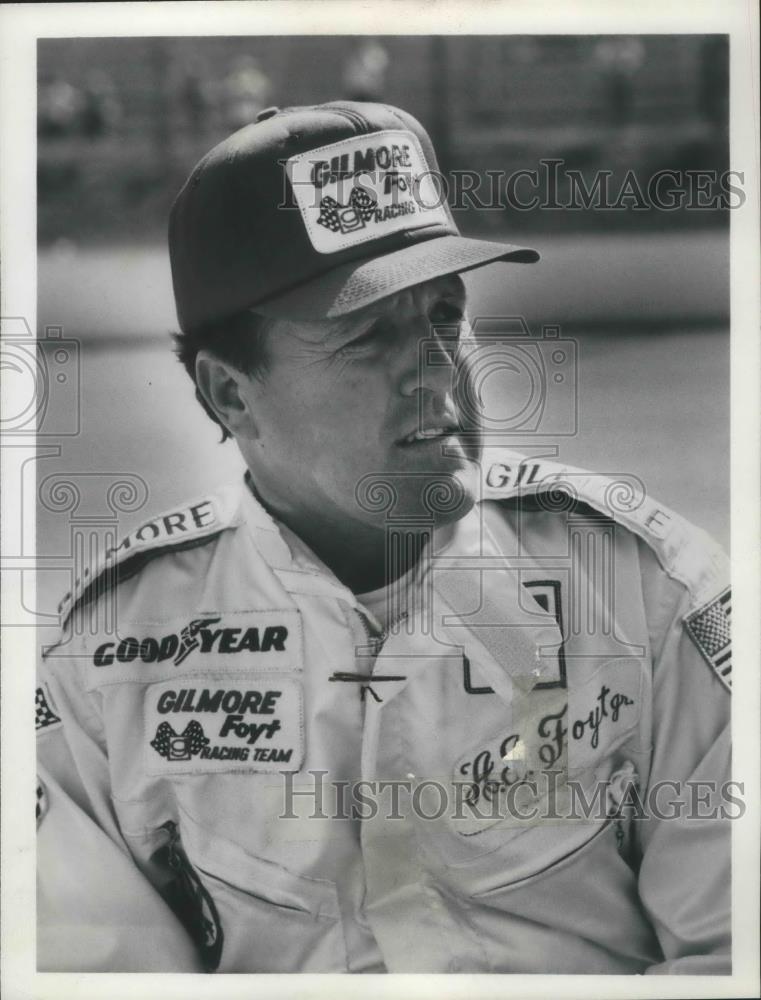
121, 121
643, 295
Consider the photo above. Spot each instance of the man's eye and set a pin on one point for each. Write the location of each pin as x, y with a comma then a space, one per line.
365, 340
445, 312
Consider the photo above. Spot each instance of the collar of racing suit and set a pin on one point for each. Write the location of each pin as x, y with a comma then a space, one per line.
463, 568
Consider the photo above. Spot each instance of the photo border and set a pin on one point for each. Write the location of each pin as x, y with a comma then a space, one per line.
20, 26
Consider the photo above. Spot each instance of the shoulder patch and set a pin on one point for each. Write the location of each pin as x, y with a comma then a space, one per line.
184, 527
686, 553
710, 629
44, 716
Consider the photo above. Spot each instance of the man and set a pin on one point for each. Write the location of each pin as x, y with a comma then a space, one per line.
402, 701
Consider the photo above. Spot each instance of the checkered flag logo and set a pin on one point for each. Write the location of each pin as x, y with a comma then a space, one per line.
332, 213
43, 713
710, 630
179, 746
328, 216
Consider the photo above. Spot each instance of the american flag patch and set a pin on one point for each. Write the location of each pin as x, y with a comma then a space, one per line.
43, 714
710, 629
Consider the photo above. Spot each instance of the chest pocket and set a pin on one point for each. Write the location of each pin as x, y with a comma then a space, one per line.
530, 781
244, 913
273, 920
559, 880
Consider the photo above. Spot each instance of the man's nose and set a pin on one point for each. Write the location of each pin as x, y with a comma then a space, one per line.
430, 362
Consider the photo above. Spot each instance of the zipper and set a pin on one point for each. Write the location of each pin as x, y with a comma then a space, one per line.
375, 640
374, 643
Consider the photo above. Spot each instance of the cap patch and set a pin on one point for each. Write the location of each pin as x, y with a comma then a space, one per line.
364, 188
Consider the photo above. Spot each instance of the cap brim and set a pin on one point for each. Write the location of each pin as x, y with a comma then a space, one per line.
359, 283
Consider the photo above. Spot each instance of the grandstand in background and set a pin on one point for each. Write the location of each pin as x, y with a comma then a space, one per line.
122, 120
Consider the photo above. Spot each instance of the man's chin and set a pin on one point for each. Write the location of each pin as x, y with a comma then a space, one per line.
437, 498
455, 496
437, 492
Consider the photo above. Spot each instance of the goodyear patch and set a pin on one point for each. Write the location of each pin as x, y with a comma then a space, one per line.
710, 628
365, 188
224, 724
226, 641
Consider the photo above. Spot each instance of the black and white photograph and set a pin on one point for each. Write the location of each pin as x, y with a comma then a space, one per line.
380, 449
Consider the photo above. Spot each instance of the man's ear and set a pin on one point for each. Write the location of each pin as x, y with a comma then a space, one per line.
222, 387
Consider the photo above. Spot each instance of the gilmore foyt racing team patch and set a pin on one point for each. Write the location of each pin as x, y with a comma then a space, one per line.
208, 724
363, 188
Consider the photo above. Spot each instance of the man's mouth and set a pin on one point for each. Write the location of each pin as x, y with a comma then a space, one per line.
430, 434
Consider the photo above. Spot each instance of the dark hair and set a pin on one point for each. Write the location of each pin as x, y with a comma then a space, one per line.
239, 340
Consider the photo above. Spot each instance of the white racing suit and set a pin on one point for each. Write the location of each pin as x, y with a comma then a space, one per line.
527, 774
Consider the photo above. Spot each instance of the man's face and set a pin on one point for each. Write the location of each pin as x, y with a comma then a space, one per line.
371, 395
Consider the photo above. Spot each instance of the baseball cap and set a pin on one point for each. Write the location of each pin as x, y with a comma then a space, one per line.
314, 212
